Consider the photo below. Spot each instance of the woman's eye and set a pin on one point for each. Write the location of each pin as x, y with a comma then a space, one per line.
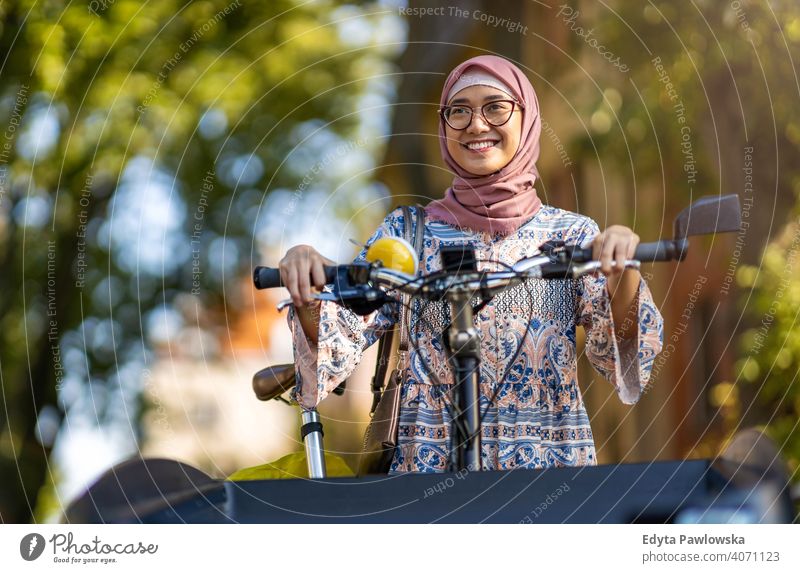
457, 111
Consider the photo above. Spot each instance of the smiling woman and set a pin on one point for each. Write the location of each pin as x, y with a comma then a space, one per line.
533, 412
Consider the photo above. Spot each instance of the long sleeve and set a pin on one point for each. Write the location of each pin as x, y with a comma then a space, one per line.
626, 363
342, 338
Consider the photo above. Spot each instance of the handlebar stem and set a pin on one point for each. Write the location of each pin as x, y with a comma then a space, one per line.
464, 350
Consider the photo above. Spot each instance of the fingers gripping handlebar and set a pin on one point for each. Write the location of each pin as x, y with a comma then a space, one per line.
267, 277
666, 250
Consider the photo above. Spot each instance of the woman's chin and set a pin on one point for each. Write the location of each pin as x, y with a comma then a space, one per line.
479, 167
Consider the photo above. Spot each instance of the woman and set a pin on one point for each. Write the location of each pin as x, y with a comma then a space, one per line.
534, 413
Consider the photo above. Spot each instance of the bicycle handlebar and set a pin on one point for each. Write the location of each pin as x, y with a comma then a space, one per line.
666, 250
267, 277
578, 263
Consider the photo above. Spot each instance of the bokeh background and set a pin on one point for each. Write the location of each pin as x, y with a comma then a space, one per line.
151, 153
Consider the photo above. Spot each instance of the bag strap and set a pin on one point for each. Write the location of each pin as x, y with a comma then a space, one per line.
384, 350
385, 342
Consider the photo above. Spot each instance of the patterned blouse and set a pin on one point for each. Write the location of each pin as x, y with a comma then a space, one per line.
537, 418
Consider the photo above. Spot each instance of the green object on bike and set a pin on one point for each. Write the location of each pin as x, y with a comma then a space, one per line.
292, 466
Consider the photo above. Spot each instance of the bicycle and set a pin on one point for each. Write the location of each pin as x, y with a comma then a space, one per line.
360, 287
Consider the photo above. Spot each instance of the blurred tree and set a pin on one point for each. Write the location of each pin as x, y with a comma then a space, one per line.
138, 143
645, 107
707, 108
770, 350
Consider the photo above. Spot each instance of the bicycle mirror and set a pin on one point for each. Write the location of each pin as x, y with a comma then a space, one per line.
717, 214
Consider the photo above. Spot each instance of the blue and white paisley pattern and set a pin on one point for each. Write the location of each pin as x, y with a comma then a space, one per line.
537, 418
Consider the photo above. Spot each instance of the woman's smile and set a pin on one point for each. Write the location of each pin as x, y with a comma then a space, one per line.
481, 145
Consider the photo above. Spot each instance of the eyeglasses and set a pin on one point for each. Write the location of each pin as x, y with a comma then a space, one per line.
494, 113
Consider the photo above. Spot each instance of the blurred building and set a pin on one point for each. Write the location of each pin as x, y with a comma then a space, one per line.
202, 411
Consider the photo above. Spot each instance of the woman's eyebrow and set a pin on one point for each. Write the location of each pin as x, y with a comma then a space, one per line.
487, 98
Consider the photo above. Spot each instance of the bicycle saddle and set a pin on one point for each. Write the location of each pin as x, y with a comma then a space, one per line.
273, 381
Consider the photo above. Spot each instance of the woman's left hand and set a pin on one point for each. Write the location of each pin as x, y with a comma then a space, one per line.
616, 243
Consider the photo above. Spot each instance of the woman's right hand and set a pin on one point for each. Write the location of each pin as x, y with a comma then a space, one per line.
303, 268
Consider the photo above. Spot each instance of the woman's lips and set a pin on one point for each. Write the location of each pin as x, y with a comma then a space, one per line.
484, 149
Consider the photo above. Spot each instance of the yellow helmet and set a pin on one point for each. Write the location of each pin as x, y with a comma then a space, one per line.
394, 253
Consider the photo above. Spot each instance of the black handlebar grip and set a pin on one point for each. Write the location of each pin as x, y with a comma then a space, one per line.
580, 255
267, 277
666, 250
556, 271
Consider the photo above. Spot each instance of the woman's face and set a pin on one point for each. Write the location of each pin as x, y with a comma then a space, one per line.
504, 139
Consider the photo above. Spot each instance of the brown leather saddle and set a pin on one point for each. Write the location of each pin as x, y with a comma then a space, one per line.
273, 381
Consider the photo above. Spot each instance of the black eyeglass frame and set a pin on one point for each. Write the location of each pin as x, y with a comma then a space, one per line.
514, 105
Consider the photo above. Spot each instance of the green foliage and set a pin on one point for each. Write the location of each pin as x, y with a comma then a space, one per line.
729, 67
770, 350
727, 83
158, 117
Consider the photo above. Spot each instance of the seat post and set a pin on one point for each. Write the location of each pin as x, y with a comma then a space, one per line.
311, 433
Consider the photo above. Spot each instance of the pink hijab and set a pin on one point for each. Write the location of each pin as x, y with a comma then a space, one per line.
503, 201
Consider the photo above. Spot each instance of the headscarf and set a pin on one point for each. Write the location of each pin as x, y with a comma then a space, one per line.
503, 201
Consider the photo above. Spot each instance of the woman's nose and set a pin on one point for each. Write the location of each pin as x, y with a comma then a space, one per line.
478, 124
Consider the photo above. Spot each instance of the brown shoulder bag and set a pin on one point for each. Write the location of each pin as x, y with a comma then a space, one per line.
380, 439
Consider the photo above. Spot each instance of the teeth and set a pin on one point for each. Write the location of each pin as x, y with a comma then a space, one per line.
481, 145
